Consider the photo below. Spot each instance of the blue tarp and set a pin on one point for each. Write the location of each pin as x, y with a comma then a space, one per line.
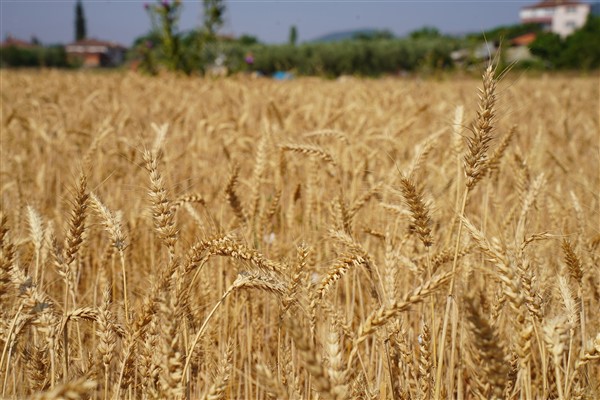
282, 76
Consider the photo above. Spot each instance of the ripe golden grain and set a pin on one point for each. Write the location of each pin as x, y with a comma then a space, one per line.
189, 238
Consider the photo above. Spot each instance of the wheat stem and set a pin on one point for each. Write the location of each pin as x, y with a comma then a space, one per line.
449, 299
203, 327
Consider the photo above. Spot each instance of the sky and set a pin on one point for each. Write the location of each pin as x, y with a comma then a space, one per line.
52, 21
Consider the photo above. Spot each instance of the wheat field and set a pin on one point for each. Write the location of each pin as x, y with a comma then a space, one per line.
240, 238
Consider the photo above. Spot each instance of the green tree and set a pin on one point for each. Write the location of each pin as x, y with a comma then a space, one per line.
582, 48
144, 50
199, 51
293, 35
177, 50
214, 10
51, 56
165, 19
247, 40
549, 47
80, 30
427, 32
374, 35
505, 33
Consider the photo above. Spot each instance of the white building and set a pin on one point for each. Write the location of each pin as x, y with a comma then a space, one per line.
562, 17
96, 53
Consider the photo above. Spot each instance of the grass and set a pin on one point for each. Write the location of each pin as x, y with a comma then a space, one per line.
239, 238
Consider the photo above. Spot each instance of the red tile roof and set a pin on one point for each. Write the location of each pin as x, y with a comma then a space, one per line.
96, 42
14, 42
523, 40
537, 20
553, 3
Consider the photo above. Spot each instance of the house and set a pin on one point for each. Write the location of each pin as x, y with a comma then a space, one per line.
518, 49
523, 40
12, 41
562, 17
96, 53
482, 52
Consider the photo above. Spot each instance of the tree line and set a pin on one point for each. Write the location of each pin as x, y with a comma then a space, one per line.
371, 53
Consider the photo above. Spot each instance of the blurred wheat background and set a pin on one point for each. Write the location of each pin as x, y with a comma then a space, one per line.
252, 239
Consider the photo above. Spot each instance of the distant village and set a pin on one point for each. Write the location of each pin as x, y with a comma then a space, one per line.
84, 52
562, 17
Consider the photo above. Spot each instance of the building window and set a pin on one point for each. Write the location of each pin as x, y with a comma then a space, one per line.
571, 9
543, 12
571, 25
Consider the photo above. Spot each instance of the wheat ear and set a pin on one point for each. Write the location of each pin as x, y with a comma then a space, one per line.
385, 313
113, 225
217, 389
162, 213
475, 165
491, 368
73, 390
245, 280
311, 150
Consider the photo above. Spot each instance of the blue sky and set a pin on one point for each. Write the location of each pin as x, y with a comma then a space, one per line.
52, 21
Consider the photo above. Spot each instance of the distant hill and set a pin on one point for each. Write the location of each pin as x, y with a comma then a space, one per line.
347, 35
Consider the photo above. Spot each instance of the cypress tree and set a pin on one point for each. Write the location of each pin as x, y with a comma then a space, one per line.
293, 35
79, 22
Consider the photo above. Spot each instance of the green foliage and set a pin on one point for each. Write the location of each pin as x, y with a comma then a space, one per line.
293, 35
505, 33
374, 35
165, 20
369, 53
55, 56
427, 32
581, 50
549, 47
80, 29
247, 40
351, 57
214, 10
144, 50
52, 56
166, 46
